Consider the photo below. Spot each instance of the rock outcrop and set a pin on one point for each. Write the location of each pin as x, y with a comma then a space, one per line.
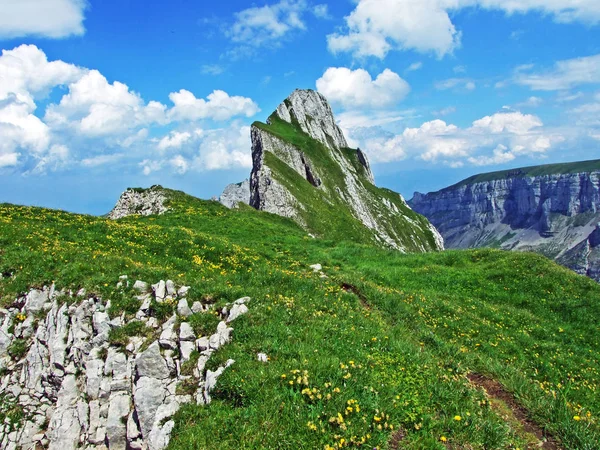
236, 193
141, 202
77, 386
304, 170
555, 212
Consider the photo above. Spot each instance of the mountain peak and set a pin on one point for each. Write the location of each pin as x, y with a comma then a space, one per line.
303, 169
312, 113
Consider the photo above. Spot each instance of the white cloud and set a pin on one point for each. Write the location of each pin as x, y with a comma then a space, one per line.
445, 111
97, 118
375, 27
415, 66
356, 88
565, 75
269, 24
321, 11
101, 160
500, 155
212, 69
225, 149
179, 164
456, 83
8, 159
220, 106
95, 107
531, 102
44, 18
494, 139
174, 140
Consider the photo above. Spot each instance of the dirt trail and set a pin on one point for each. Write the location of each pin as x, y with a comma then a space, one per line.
496, 391
354, 290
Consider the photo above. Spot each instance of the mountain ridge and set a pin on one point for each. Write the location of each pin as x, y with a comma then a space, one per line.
550, 209
303, 169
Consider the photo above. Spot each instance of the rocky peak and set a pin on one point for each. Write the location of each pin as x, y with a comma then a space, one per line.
311, 111
304, 170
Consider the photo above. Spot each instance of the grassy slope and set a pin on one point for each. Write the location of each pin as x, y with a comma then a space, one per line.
402, 358
533, 171
328, 215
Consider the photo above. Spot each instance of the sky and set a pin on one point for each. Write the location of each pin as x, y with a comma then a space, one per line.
100, 95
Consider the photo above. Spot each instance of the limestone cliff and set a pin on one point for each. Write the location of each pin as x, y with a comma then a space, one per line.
304, 170
553, 210
141, 202
82, 377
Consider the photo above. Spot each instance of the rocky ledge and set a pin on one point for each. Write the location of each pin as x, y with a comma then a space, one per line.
66, 382
141, 202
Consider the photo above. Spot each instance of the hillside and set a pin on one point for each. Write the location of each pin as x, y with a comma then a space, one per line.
376, 349
304, 170
553, 210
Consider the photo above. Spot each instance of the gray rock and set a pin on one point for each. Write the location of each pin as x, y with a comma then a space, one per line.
35, 300
160, 290
144, 203
116, 429
183, 290
151, 364
140, 286
211, 379
202, 344
262, 357
197, 307
149, 395
93, 370
236, 193
316, 267
183, 309
186, 332
133, 427
237, 311
186, 349
171, 291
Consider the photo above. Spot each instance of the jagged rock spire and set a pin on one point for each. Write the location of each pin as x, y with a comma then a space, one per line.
313, 114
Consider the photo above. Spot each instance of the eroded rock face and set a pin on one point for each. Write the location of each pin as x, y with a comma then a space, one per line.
236, 193
141, 202
556, 215
77, 390
310, 111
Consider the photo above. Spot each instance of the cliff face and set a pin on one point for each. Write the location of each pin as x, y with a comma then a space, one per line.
551, 213
304, 170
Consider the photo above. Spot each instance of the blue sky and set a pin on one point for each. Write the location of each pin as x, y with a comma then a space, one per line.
97, 96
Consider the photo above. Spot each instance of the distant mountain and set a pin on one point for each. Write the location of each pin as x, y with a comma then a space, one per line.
304, 170
551, 209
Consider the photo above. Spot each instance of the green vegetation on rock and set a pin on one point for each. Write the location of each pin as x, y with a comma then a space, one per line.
532, 171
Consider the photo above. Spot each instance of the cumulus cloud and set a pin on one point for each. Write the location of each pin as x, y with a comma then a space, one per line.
494, 139
174, 140
95, 107
375, 27
356, 88
257, 26
45, 18
96, 117
564, 75
220, 106
225, 149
